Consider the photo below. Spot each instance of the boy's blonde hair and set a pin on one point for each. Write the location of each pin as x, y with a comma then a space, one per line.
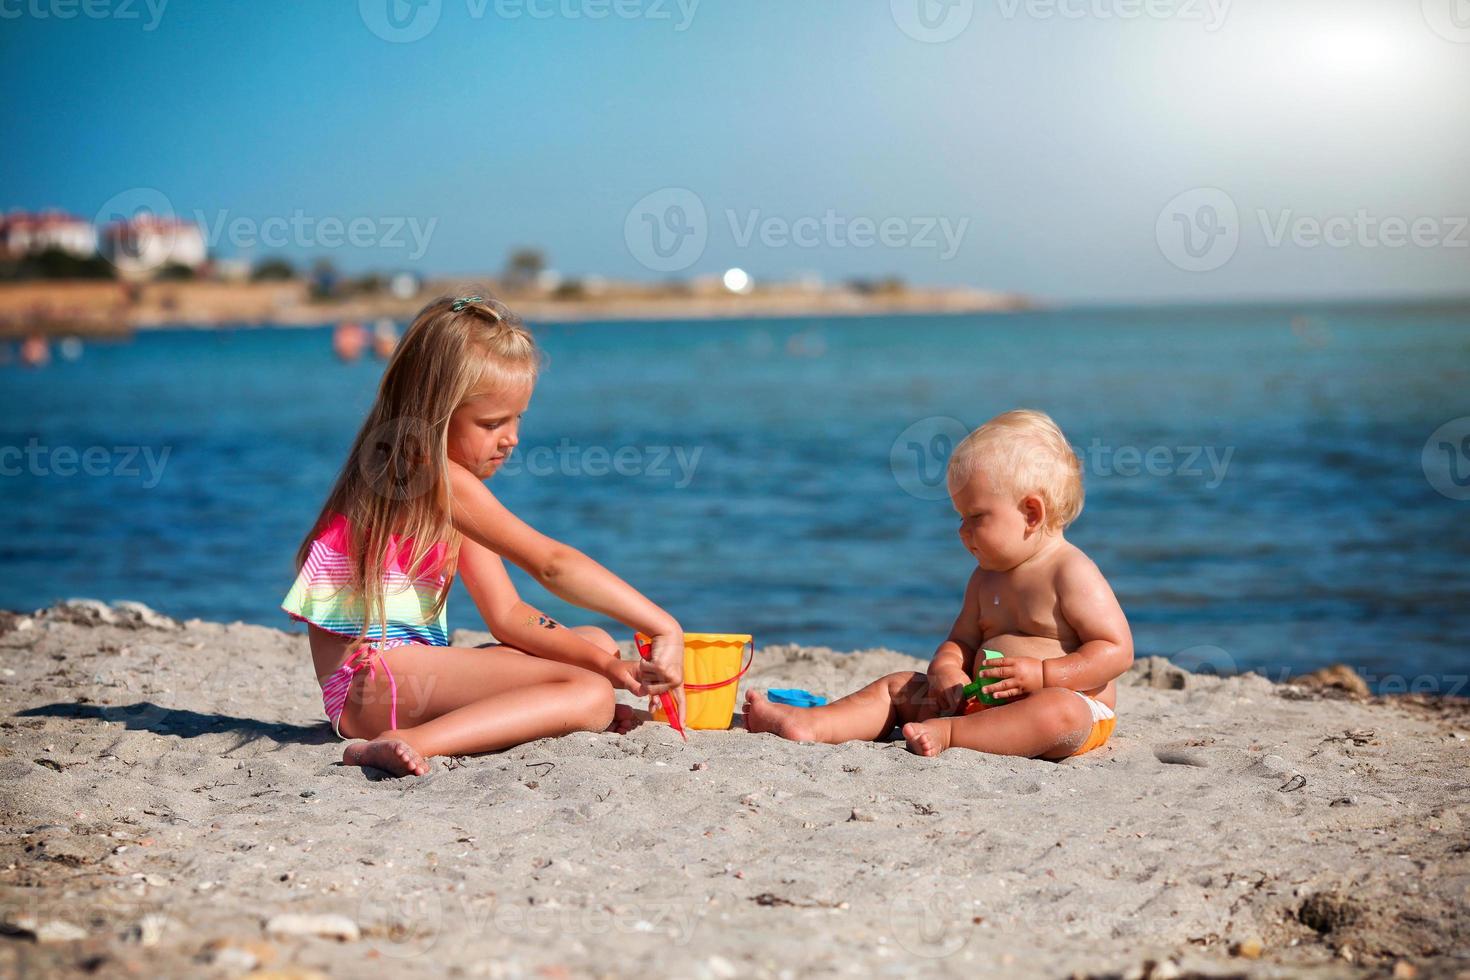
396, 478
1023, 453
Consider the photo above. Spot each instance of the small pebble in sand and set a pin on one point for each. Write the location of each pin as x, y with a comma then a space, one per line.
1404, 970
337, 927
721, 967
1155, 970
1250, 949
47, 931
148, 931
233, 958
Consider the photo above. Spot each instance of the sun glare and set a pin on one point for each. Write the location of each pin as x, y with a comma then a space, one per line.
1352, 52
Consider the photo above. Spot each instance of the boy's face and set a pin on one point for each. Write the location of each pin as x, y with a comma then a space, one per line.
485, 429
993, 527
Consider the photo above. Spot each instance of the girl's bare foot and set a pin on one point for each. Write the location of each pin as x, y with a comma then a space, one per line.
927, 737
764, 715
392, 755
624, 720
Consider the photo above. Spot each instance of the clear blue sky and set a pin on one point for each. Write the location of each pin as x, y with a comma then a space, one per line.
1058, 129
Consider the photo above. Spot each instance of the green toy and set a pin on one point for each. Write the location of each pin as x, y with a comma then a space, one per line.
973, 689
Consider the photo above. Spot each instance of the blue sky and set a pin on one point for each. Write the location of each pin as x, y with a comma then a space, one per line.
1050, 139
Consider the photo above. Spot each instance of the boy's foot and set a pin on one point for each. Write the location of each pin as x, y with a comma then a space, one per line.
928, 738
392, 755
624, 720
764, 715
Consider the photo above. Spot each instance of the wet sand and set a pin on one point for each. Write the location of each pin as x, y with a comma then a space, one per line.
173, 805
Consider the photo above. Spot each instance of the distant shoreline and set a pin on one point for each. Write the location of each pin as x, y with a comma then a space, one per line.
92, 309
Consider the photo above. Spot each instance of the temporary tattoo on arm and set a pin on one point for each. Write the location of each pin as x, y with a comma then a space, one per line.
544, 621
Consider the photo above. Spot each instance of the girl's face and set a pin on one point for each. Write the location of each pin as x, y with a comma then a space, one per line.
486, 428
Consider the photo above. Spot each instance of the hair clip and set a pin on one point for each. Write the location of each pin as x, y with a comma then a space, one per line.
464, 301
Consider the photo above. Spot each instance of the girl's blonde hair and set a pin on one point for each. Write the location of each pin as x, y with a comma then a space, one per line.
396, 479
1022, 453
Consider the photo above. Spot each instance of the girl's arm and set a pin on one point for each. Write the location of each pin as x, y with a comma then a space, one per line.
568, 574
517, 623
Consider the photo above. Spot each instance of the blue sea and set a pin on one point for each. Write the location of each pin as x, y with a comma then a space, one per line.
1273, 489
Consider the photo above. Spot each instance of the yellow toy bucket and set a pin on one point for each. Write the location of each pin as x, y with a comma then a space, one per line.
713, 666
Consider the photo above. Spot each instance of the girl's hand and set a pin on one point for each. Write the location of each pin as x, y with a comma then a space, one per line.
1019, 676
624, 676
664, 671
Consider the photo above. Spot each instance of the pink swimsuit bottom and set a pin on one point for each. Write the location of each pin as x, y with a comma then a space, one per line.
368, 658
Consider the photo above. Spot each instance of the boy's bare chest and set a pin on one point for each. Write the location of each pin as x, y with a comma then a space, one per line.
1022, 607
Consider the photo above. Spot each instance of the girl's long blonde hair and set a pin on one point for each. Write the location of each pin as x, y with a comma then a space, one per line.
396, 479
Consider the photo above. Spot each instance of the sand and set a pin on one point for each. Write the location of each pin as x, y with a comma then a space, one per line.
100, 308
173, 805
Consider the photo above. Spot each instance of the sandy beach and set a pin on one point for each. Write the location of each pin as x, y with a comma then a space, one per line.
173, 805
110, 308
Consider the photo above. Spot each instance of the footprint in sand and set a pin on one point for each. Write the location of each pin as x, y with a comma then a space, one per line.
1206, 756
1173, 755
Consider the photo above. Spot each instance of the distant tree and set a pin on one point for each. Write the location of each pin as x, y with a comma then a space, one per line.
53, 263
871, 287
370, 284
273, 270
175, 272
571, 290
324, 279
524, 266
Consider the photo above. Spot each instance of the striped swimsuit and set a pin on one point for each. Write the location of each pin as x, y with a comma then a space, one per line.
320, 597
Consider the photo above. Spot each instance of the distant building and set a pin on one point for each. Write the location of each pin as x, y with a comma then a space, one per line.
140, 246
231, 270
28, 234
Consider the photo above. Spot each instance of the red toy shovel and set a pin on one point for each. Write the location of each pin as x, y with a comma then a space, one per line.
665, 700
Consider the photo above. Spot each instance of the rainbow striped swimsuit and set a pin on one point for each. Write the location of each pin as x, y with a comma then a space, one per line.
320, 596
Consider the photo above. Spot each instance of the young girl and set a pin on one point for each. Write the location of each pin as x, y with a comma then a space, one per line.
408, 512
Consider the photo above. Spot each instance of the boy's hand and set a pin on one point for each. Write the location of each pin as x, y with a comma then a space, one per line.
1019, 676
947, 686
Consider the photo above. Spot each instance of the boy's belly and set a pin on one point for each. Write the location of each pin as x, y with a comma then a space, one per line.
1047, 648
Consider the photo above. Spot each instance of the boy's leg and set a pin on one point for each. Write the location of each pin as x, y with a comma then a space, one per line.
1050, 724
867, 714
